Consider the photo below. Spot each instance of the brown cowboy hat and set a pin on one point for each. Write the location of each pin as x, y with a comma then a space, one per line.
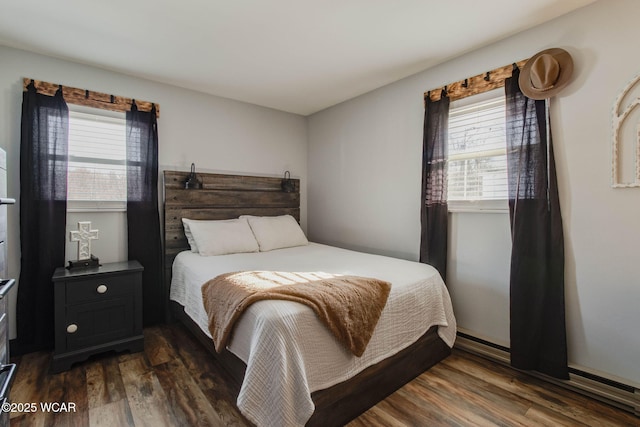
546, 73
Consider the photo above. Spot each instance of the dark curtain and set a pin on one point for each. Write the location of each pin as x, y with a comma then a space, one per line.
434, 209
538, 334
43, 212
143, 220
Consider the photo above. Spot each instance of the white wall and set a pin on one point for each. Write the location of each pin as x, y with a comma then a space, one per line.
218, 134
365, 172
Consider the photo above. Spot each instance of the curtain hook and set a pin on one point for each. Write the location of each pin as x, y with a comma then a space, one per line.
466, 83
487, 77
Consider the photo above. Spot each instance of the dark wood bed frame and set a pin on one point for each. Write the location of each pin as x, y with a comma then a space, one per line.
229, 196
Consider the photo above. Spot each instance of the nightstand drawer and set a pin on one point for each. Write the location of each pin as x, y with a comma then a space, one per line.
100, 288
99, 322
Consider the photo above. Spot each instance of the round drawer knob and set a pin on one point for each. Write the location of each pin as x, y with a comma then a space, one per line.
72, 328
102, 289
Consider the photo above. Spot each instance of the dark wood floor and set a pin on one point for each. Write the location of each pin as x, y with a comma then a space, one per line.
175, 382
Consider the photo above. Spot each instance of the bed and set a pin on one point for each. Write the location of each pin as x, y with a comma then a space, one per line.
286, 368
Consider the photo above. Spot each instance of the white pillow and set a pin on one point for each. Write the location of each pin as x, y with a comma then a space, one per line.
275, 232
187, 233
222, 237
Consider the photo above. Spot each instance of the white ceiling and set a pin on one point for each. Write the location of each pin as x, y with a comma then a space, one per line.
299, 56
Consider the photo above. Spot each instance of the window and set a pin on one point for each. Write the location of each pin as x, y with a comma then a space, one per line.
97, 178
477, 162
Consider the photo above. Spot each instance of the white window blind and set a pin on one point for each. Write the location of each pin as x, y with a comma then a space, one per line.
96, 177
477, 159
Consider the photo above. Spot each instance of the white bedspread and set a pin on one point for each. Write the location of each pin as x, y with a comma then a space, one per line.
288, 353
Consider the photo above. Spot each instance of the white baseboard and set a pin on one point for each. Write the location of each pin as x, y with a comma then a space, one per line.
611, 391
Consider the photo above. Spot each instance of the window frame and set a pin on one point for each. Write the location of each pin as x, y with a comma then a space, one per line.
500, 205
96, 205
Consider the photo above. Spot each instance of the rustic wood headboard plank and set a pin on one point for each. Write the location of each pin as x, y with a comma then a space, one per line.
230, 198
221, 197
213, 181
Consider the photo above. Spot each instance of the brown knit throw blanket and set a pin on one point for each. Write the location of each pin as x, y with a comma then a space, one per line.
348, 306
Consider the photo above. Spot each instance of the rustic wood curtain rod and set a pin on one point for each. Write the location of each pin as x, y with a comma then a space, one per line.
89, 98
474, 85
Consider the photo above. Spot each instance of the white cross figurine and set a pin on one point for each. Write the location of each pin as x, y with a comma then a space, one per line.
84, 235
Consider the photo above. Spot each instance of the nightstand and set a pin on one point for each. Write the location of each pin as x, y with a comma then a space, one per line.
96, 310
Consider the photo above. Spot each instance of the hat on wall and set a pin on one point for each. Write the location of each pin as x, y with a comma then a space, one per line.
546, 73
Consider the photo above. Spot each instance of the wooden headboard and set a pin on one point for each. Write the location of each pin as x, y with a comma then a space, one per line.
221, 197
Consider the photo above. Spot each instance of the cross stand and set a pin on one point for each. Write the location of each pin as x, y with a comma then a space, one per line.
84, 263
